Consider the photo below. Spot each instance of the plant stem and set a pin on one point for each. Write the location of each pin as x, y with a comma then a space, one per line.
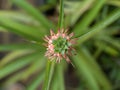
61, 16
48, 75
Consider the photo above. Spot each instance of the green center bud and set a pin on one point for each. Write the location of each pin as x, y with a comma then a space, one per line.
61, 45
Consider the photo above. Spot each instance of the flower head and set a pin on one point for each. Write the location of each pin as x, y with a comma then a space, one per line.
59, 45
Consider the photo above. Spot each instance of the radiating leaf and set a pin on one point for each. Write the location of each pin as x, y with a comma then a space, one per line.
16, 65
58, 76
88, 18
13, 55
21, 46
21, 29
34, 13
84, 71
48, 75
100, 26
37, 81
95, 69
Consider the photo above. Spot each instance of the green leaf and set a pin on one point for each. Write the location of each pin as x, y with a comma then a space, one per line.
34, 13
18, 64
26, 73
2, 29
58, 76
100, 26
95, 69
37, 81
13, 55
39, 65
103, 47
48, 75
82, 7
21, 46
61, 16
114, 2
88, 18
18, 16
14, 78
84, 70
21, 29
51, 1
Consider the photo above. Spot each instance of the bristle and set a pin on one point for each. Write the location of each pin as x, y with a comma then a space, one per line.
51, 32
51, 53
44, 44
66, 31
46, 37
62, 31
71, 35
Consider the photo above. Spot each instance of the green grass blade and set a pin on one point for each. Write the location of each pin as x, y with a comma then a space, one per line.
25, 74
83, 69
114, 2
58, 76
18, 16
111, 41
100, 26
22, 46
37, 66
13, 55
16, 65
14, 78
103, 47
34, 13
88, 18
95, 69
48, 75
61, 16
79, 11
38, 80
3, 30
21, 29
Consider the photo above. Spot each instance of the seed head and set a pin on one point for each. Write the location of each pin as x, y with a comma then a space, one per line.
59, 45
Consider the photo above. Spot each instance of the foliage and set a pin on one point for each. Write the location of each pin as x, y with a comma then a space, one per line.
95, 24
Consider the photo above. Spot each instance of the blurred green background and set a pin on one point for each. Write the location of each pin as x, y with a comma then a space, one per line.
23, 25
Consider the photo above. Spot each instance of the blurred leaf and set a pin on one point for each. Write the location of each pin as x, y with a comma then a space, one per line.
21, 29
34, 13
95, 69
37, 81
48, 75
18, 16
14, 78
16, 65
113, 30
84, 70
51, 1
13, 55
114, 2
23, 46
100, 26
25, 74
81, 7
35, 67
88, 18
108, 49
61, 16
111, 41
2, 29
58, 76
